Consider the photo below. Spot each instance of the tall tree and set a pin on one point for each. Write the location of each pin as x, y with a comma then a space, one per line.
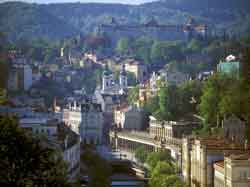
141, 154
4, 73
154, 157
224, 95
163, 170
25, 162
99, 170
194, 46
165, 51
133, 95
143, 48
123, 46
209, 106
152, 105
168, 102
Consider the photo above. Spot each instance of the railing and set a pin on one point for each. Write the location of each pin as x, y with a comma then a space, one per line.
146, 137
137, 134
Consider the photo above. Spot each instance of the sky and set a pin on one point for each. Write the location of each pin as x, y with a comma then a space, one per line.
86, 1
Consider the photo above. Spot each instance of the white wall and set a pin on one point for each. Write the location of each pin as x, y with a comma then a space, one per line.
27, 77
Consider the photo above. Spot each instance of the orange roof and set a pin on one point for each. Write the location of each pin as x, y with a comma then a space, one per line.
219, 164
216, 143
242, 156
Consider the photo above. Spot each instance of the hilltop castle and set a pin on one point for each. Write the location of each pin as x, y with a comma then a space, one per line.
153, 29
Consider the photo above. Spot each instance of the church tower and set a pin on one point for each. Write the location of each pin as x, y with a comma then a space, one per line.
123, 80
107, 79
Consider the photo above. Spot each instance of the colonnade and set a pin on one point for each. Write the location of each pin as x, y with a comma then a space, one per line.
132, 145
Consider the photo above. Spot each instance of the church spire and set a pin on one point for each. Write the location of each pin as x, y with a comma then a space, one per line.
123, 78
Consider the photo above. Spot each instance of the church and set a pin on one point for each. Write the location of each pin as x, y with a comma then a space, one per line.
110, 87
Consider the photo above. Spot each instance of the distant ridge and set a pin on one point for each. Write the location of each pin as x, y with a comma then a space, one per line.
57, 21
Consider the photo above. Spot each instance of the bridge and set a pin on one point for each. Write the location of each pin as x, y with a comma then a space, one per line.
129, 141
121, 180
129, 167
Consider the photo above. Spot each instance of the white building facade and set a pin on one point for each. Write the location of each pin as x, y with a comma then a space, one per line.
129, 118
85, 119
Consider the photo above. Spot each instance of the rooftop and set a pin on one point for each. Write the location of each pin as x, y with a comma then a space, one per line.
242, 156
219, 143
219, 164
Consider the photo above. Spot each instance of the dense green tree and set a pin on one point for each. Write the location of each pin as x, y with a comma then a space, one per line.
123, 46
189, 97
39, 49
160, 172
168, 102
209, 106
3, 97
133, 95
163, 170
194, 46
174, 102
95, 43
154, 157
215, 51
142, 48
224, 95
3, 41
163, 175
172, 181
245, 40
98, 76
99, 170
165, 51
4, 73
152, 105
141, 154
163, 99
25, 161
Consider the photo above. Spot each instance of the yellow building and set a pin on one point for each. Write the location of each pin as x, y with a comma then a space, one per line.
199, 155
234, 171
139, 69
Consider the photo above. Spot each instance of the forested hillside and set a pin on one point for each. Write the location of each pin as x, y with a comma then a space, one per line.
57, 21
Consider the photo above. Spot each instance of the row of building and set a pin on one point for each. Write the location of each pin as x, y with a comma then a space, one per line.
215, 162
204, 161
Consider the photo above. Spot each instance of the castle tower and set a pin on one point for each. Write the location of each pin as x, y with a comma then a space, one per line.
123, 78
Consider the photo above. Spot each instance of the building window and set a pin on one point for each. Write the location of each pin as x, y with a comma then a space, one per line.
245, 175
